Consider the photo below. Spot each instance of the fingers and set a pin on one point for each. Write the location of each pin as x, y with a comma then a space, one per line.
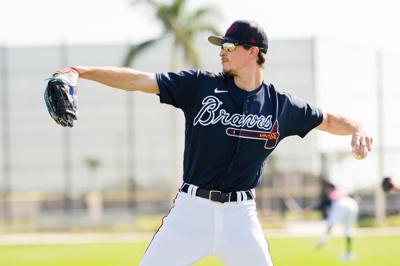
360, 142
369, 143
69, 75
66, 70
356, 142
361, 145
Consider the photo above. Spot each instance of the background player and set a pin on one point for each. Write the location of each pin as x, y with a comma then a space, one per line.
234, 120
342, 208
389, 184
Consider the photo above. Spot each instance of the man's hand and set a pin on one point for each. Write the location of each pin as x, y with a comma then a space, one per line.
361, 144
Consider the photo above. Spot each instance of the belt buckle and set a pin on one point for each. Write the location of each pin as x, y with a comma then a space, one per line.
210, 195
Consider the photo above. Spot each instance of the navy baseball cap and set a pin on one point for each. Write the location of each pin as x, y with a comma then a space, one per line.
243, 32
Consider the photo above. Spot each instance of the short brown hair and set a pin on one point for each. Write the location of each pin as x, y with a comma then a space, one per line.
260, 57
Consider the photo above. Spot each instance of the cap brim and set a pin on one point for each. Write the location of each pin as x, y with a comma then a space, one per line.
219, 40
216, 40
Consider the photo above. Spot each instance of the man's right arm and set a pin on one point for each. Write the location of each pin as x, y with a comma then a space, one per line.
121, 78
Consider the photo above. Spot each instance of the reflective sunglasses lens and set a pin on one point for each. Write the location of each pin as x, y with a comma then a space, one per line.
228, 46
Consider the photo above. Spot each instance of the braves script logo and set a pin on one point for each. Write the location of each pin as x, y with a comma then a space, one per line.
211, 114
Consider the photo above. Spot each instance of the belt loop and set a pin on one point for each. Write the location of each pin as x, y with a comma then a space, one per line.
239, 196
194, 190
244, 196
253, 193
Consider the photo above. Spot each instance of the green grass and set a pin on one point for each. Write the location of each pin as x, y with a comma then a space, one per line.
371, 251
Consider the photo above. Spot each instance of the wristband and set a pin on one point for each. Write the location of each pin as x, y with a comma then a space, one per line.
76, 70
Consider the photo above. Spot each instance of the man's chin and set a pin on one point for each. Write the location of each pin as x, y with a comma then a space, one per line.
228, 72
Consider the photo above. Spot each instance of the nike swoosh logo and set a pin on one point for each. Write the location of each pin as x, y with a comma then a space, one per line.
216, 90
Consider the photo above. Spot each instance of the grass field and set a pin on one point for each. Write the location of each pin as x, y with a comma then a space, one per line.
371, 251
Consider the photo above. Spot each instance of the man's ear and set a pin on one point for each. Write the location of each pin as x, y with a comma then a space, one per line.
254, 51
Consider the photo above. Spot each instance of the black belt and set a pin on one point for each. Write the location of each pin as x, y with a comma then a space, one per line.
216, 195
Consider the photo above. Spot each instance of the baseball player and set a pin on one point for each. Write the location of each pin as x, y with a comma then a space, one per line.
234, 120
342, 208
389, 184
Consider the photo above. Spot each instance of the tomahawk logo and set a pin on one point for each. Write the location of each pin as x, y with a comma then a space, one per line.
271, 137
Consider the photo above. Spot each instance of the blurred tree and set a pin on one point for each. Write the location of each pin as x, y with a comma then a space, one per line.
182, 25
93, 164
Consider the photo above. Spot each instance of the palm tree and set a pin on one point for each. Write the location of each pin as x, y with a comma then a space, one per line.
182, 25
92, 164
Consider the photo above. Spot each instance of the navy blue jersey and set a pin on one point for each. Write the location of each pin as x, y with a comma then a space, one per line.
230, 132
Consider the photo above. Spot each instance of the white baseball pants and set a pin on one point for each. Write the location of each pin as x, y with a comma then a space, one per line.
197, 227
345, 211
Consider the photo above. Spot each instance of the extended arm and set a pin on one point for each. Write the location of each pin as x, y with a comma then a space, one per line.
61, 91
121, 78
396, 186
341, 125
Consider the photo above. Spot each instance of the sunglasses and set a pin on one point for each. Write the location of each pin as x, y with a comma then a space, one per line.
230, 46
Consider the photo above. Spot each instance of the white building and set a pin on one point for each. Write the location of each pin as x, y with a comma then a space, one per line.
336, 77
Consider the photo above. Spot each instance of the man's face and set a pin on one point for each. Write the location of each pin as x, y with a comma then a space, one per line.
234, 59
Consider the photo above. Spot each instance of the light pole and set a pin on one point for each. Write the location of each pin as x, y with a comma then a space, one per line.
66, 147
130, 150
5, 111
380, 202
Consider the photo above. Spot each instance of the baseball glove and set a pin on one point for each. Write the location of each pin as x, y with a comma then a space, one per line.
387, 184
61, 97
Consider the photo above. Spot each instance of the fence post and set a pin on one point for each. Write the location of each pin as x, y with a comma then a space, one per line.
380, 203
6, 150
66, 148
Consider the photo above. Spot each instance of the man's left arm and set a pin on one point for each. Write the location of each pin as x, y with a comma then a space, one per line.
341, 125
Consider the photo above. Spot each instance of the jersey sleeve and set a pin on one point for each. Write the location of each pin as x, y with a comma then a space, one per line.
177, 89
301, 117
